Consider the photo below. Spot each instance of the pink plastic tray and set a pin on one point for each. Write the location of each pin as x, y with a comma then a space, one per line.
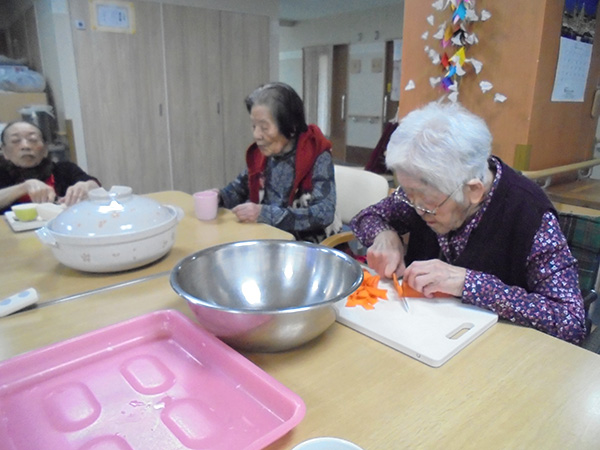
157, 382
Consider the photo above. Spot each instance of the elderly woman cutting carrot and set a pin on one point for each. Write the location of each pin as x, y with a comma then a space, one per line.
477, 229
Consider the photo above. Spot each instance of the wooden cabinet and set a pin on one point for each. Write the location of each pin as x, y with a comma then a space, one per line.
163, 108
245, 56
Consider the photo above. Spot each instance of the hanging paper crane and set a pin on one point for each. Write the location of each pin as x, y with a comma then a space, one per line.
455, 38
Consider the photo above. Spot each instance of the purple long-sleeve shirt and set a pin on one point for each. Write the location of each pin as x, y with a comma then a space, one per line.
552, 303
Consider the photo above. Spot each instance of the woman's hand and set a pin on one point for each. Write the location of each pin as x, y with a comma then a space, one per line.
39, 192
77, 192
247, 212
433, 276
386, 255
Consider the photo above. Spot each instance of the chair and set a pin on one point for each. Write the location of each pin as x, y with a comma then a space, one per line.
356, 189
583, 236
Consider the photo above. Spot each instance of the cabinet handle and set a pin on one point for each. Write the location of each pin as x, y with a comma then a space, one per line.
343, 107
160, 109
219, 108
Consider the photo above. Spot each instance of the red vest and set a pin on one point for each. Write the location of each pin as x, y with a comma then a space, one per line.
310, 145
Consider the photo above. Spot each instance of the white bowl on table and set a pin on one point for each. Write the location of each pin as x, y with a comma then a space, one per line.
327, 443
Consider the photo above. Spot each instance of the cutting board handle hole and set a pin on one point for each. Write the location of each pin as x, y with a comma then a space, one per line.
460, 331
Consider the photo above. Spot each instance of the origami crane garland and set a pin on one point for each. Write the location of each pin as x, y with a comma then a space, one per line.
455, 38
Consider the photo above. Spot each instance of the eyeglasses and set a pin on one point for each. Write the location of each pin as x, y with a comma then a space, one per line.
404, 199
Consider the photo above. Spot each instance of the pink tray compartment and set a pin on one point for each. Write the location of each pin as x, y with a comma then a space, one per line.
156, 382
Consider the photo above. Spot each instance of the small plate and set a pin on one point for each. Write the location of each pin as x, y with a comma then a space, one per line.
17, 225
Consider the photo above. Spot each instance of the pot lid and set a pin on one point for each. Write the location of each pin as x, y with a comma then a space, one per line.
111, 213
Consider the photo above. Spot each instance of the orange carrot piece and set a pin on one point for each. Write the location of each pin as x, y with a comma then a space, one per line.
373, 281
368, 293
381, 293
411, 292
397, 286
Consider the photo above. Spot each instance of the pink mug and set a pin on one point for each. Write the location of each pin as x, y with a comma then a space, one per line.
206, 204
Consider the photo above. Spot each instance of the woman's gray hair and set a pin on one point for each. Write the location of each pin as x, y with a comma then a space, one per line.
443, 145
285, 105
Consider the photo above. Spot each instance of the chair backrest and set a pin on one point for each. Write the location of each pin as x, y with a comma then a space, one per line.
356, 189
583, 236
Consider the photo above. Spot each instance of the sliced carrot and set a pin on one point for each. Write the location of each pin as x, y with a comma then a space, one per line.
411, 292
367, 294
373, 281
381, 293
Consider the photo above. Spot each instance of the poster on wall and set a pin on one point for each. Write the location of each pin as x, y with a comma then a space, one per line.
112, 15
575, 52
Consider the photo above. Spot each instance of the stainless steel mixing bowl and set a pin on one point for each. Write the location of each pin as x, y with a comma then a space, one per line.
266, 295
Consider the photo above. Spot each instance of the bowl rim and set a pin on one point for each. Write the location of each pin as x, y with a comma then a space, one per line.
25, 206
199, 302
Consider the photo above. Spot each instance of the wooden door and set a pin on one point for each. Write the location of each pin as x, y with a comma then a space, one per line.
193, 70
390, 102
245, 57
317, 76
122, 94
338, 101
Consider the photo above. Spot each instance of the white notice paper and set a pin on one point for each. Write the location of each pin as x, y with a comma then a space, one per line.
574, 59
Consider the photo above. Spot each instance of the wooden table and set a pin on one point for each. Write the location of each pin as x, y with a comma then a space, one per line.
26, 262
513, 387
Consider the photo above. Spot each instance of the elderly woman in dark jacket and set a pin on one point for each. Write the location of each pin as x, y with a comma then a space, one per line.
289, 180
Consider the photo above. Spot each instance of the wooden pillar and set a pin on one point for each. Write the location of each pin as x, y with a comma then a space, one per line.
518, 47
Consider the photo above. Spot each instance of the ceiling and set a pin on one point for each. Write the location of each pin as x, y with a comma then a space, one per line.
297, 10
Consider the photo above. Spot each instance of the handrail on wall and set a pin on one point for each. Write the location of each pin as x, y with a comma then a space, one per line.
361, 118
544, 176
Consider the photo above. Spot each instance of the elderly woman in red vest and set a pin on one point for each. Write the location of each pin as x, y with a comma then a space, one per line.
478, 229
28, 175
289, 180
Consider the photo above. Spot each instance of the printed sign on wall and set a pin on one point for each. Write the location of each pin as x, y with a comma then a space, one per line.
575, 53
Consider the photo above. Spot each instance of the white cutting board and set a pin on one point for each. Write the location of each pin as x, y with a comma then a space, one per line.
432, 331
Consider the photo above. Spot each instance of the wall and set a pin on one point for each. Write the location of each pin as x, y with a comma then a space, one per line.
366, 33
518, 47
58, 60
365, 96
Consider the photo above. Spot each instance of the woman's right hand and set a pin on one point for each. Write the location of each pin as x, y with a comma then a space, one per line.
39, 192
386, 255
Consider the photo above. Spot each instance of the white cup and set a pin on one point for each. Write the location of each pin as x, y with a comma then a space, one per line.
327, 443
206, 204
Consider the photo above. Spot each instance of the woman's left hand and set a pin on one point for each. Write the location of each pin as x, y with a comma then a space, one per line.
434, 276
247, 212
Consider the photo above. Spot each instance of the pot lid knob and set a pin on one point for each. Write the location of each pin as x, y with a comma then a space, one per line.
115, 193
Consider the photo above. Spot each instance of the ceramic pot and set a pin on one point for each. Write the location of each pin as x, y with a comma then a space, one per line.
112, 231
